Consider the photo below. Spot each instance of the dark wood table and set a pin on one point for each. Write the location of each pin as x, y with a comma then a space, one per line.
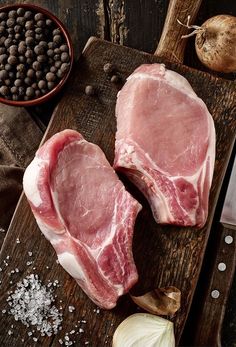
137, 24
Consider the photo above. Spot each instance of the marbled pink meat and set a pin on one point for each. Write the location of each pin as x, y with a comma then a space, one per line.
85, 212
165, 144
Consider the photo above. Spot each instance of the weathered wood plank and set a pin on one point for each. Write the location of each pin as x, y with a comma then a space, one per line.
164, 255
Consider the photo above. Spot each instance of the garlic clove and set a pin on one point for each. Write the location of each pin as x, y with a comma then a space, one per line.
144, 329
160, 301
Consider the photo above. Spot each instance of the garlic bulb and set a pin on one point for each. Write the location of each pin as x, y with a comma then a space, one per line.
161, 301
144, 330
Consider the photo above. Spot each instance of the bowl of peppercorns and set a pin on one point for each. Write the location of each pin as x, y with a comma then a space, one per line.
36, 55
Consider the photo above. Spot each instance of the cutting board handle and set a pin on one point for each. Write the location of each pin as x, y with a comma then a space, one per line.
171, 46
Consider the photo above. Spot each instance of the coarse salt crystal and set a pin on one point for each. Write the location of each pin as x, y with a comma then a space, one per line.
30, 254
81, 330
10, 332
71, 308
31, 303
17, 240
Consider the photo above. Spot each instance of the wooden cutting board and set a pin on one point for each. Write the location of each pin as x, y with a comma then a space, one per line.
165, 255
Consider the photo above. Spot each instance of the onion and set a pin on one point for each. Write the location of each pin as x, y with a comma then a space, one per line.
144, 330
215, 42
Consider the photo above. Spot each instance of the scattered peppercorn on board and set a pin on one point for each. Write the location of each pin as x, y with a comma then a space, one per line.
164, 255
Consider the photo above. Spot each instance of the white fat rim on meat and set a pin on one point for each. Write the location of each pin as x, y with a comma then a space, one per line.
172, 78
30, 181
71, 265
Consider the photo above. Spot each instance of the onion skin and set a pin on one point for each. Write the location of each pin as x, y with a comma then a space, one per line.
215, 43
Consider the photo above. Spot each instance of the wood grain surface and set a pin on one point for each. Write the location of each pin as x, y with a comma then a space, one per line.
164, 255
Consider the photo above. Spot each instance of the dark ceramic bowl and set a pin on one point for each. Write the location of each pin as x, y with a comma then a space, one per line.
64, 31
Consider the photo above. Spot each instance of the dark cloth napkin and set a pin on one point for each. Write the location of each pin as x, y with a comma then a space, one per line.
19, 139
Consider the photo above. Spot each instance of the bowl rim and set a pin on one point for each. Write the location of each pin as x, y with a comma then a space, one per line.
67, 37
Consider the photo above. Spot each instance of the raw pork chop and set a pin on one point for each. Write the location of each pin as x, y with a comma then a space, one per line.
85, 212
165, 144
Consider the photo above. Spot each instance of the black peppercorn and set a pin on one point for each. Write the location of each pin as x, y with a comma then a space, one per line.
3, 15
57, 39
28, 81
38, 50
21, 90
56, 57
3, 75
38, 16
11, 22
20, 11
49, 22
31, 73
21, 20
65, 67
20, 75
115, 79
36, 65
20, 67
17, 28
29, 33
57, 51
29, 91
8, 67
38, 74
50, 52
43, 44
37, 93
21, 59
29, 61
3, 58
29, 53
12, 14
56, 32
108, 68
51, 85
51, 45
13, 50
22, 49
8, 42
38, 37
42, 58
28, 15
7, 82
53, 69
58, 64
41, 23
11, 75
2, 40
29, 41
2, 29
34, 85
65, 57
4, 90
2, 50
38, 30
64, 48
14, 90
17, 36
29, 24
42, 84
12, 60
18, 82
50, 77
89, 90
